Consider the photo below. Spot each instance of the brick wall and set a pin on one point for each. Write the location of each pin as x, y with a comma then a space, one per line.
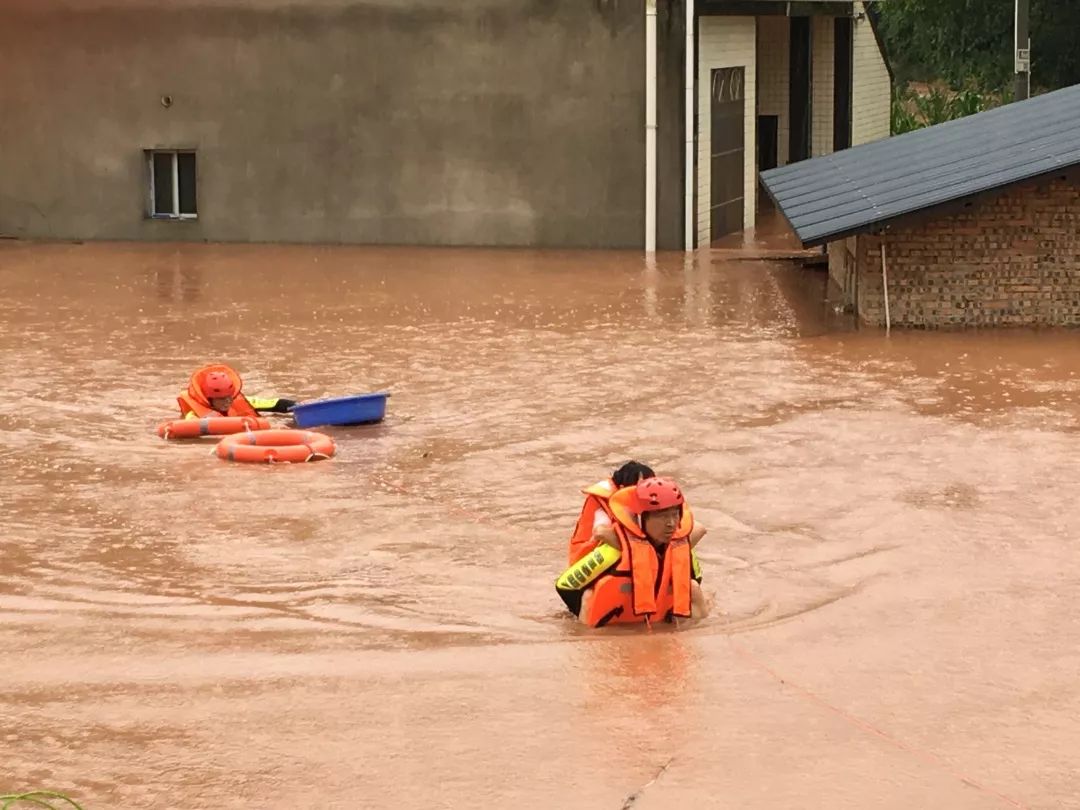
1008, 260
871, 99
725, 42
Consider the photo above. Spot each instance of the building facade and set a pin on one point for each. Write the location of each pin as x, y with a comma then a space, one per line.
416, 122
973, 222
811, 84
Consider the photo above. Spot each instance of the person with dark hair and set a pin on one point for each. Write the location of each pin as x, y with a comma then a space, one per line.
594, 524
630, 473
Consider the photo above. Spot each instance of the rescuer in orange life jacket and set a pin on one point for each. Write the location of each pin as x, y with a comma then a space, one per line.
216, 390
648, 572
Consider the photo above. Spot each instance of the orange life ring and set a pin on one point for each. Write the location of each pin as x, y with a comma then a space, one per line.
210, 426
270, 446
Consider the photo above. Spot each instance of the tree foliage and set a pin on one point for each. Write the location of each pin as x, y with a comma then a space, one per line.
969, 43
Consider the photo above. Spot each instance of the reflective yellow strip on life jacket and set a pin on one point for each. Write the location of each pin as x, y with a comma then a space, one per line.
695, 566
588, 568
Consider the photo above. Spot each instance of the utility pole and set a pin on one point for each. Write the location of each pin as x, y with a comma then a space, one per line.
1022, 52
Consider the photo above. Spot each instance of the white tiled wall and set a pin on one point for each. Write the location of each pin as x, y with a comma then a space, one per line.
872, 97
725, 42
773, 49
823, 50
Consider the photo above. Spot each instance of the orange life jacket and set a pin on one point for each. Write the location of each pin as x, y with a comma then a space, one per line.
640, 588
195, 400
596, 498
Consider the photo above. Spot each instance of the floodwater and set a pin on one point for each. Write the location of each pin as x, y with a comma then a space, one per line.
892, 546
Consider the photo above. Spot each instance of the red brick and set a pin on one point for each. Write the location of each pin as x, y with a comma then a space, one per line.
1013, 259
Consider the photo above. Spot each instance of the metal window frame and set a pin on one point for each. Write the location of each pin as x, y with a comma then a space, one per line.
174, 215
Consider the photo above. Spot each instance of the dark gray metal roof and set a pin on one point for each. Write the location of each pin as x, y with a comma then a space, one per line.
855, 189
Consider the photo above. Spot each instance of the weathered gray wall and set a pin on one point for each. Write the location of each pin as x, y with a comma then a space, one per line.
438, 122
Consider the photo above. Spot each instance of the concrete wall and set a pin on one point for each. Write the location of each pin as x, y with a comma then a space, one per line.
1008, 260
871, 101
844, 270
774, 81
441, 122
725, 42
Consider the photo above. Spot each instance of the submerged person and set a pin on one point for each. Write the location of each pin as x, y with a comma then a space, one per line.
594, 525
217, 390
649, 572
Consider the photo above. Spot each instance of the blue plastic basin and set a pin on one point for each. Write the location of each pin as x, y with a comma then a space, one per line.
357, 410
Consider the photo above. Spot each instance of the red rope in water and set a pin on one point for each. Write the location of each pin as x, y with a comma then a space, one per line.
859, 723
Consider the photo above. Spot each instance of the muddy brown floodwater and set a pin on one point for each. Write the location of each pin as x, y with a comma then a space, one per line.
892, 546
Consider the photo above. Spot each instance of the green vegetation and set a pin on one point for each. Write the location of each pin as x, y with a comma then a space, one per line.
955, 57
37, 798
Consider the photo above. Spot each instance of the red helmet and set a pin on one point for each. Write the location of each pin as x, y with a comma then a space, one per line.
656, 494
218, 384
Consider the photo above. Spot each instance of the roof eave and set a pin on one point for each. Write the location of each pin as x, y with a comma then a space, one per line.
1065, 171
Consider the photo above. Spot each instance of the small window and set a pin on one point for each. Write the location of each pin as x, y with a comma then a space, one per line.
172, 184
